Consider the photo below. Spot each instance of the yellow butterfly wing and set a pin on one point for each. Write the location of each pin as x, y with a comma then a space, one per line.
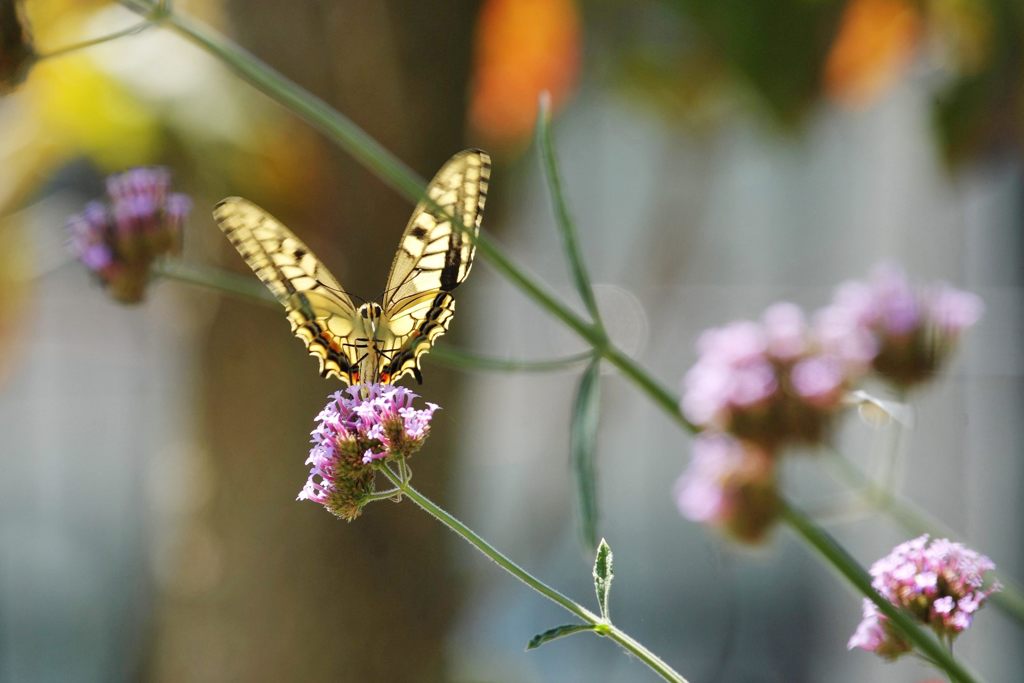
321, 314
433, 258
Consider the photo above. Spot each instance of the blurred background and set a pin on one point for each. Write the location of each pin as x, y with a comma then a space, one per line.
718, 156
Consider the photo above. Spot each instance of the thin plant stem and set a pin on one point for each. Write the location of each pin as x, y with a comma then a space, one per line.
390, 494
567, 227
246, 287
464, 360
846, 565
893, 464
224, 281
916, 521
85, 44
605, 628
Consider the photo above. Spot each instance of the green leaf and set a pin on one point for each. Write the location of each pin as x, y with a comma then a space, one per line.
557, 632
566, 226
603, 575
582, 445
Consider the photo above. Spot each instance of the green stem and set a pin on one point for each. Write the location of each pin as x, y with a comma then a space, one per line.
645, 381
846, 565
573, 607
246, 287
68, 49
567, 227
388, 168
464, 360
915, 521
390, 494
243, 286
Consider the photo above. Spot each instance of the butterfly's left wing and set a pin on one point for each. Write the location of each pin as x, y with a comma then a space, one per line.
433, 258
321, 314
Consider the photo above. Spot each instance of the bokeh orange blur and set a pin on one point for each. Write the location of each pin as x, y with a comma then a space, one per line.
874, 45
523, 47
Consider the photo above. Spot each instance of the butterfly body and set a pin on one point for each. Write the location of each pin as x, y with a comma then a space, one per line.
376, 342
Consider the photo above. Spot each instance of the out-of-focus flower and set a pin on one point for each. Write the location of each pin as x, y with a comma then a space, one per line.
123, 104
730, 484
914, 330
939, 582
120, 239
523, 47
770, 383
360, 426
872, 49
16, 51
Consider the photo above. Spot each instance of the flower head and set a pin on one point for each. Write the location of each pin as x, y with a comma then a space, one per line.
731, 484
769, 382
913, 329
119, 239
939, 582
359, 426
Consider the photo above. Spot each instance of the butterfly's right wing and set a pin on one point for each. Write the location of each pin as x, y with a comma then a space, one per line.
433, 258
320, 312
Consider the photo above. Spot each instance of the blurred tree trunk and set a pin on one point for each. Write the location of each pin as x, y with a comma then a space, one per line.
282, 590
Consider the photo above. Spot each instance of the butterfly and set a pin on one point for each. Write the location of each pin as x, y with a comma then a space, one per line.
376, 342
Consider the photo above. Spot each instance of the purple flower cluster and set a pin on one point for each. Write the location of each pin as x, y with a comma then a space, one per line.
770, 382
912, 329
783, 380
119, 239
939, 582
730, 483
361, 425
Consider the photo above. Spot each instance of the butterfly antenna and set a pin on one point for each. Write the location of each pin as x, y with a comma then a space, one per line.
342, 292
402, 283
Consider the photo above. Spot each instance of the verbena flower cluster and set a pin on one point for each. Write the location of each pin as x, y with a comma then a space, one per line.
770, 382
730, 483
913, 330
783, 380
941, 583
359, 426
119, 239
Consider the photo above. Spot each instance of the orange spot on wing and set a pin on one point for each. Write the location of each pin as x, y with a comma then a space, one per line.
331, 342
